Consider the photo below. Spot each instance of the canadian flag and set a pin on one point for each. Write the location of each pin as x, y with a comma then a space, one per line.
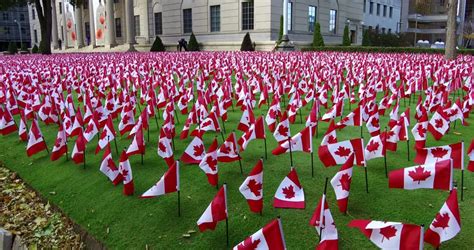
391, 235
138, 144
79, 149
228, 151
194, 153
256, 131
107, 135
128, 121
165, 148
269, 237
470, 153
22, 129
437, 175
252, 188
330, 136
211, 123
7, 123
168, 183
290, 193
273, 112
60, 145
447, 222
373, 124
434, 154
312, 119
439, 124
91, 130
208, 164
125, 170
376, 147
393, 137
78, 124
108, 167
337, 153
247, 119
282, 131
341, 183
215, 212
299, 142
352, 119
324, 224
36, 142
419, 131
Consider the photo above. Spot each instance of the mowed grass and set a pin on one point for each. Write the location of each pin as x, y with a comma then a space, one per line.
122, 222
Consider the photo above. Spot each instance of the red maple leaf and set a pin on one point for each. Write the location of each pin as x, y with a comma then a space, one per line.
89, 128
67, 124
421, 131
332, 139
207, 123
419, 174
388, 232
272, 113
452, 112
254, 187
248, 244
111, 164
288, 192
439, 123
343, 151
345, 182
124, 173
162, 147
125, 119
198, 150
212, 163
375, 123
373, 146
58, 142
390, 134
283, 130
439, 152
441, 220
225, 149
110, 106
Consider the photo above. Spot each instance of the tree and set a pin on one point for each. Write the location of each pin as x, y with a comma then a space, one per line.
318, 40
193, 43
35, 49
366, 38
157, 45
450, 50
346, 41
280, 34
12, 48
247, 43
44, 13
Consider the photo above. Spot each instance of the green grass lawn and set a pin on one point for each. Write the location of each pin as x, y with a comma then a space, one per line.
121, 222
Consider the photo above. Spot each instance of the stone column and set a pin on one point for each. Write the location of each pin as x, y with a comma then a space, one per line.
129, 25
285, 44
110, 22
146, 32
64, 29
54, 30
79, 33
91, 25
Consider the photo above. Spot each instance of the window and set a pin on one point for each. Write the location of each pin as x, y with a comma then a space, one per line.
187, 20
35, 32
33, 13
215, 18
60, 8
389, 31
332, 21
390, 12
247, 15
378, 9
365, 5
5, 16
385, 10
137, 25
290, 15
7, 30
158, 24
118, 27
22, 17
371, 8
311, 18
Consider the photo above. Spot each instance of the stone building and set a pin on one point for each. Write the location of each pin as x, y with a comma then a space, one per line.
14, 27
382, 15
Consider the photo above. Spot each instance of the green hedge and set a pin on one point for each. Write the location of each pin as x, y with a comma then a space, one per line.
386, 50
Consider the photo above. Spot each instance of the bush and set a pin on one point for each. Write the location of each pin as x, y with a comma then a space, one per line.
157, 45
366, 38
23, 47
35, 49
372, 38
247, 44
346, 41
42, 47
193, 43
12, 49
318, 40
386, 50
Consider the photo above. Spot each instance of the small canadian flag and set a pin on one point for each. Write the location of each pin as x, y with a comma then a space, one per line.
208, 164
168, 183
126, 171
341, 183
323, 222
195, 152
229, 151
437, 175
290, 193
434, 154
109, 168
36, 142
269, 237
60, 146
215, 212
252, 188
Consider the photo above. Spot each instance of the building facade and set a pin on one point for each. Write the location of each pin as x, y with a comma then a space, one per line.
14, 27
217, 24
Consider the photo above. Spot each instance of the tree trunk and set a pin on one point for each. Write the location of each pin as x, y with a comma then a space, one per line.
450, 50
43, 8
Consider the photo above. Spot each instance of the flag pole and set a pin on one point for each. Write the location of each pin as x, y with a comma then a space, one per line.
408, 148
291, 153
385, 152
322, 208
265, 144
240, 164
116, 148
223, 125
227, 216
365, 171
301, 117
462, 170
176, 115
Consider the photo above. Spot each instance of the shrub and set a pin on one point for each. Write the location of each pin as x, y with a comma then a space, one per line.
386, 50
157, 45
42, 47
23, 47
35, 49
346, 41
318, 40
193, 43
12, 48
366, 38
247, 44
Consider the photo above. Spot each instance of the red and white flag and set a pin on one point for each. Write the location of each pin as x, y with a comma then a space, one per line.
419, 131
22, 128
138, 144
7, 123
79, 150
208, 164
125, 170
282, 131
168, 183
341, 183
60, 145
109, 168
36, 142
194, 153
324, 224
437, 175
391, 235
290, 193
269, 237
470, 153
252, 188
373, 124
352, 119
215, 212
447, 223
299, 142
78, 124
375, 148
108, 134
273, 113
337, 153
165, 148
439, 124
91, 130
434, 154
247, 119
256, 131
128, 119
330, 136
229, 151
